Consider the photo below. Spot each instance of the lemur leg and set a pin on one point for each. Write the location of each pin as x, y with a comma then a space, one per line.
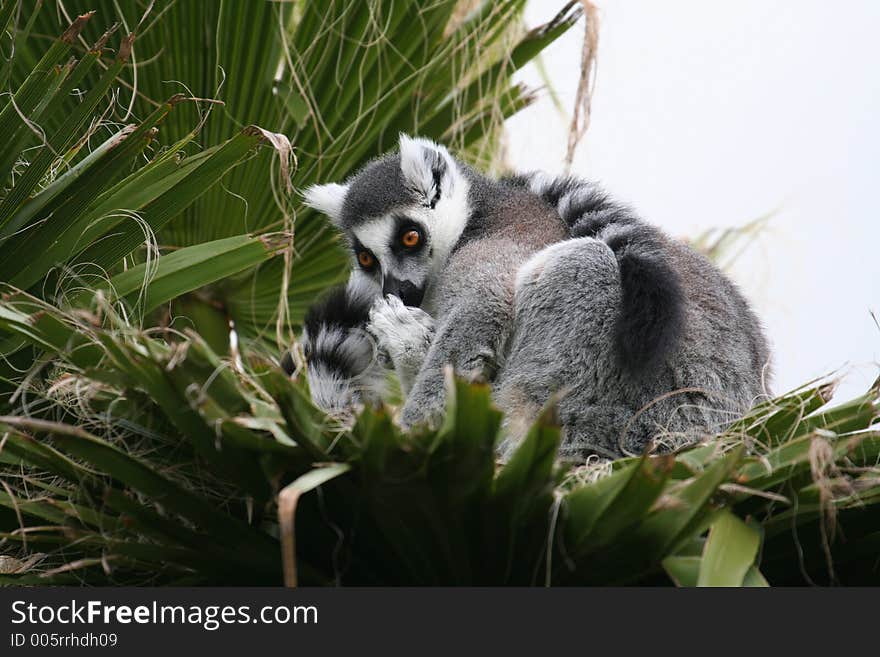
562, 350
475, 310
468, 341
565, 349
404, 334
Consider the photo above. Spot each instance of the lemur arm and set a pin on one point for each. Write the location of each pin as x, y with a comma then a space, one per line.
475, 317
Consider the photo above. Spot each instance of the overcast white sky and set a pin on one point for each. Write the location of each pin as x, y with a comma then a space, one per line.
714, 113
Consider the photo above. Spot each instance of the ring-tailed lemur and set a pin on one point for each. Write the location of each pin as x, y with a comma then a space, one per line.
546, 288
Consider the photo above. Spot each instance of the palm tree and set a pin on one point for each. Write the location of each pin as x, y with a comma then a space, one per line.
155, 258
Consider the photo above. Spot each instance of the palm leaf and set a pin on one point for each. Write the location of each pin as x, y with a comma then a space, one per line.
431, 508
340, 79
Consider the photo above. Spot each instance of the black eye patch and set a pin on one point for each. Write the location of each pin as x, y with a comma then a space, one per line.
403, 225
365, 258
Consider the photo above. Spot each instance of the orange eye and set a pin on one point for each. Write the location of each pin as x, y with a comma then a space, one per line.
411, 238
366, 259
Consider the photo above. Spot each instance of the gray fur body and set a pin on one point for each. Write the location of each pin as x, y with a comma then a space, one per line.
553, 294
473, 297
566, 309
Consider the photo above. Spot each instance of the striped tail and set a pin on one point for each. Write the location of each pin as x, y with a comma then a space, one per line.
341, 358
651, 320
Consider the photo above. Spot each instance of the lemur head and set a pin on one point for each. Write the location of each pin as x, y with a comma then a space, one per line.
401, 214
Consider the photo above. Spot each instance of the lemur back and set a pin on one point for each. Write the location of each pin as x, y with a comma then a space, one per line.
505, 226
651, 341
550, 291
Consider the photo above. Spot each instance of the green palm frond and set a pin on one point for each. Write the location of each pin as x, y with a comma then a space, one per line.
152, 451
339, 79
83, 193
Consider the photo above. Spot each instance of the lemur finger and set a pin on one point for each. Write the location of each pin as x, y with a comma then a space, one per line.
423, 318
392, 322
381, 324
404, 314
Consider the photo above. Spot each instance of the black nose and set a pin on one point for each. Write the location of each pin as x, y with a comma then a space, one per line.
409, 293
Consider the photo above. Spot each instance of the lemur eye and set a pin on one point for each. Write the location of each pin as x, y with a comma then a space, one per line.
366, 259
411, 238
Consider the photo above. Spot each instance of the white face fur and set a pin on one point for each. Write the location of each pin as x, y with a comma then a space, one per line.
381, 252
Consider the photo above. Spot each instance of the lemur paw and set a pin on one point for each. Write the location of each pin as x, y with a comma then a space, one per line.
426, 403
403, 332
481, 367
418, 412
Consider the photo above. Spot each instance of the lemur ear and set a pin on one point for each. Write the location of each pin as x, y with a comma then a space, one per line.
327, 199
427, 168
